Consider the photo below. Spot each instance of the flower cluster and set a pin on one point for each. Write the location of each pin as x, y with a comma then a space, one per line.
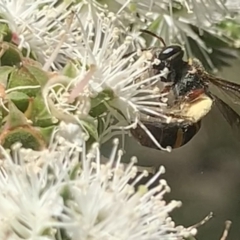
54, 196
75, 74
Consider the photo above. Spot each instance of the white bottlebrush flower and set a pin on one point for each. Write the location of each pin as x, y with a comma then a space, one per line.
174, 22
35, 25
43, 26
105, 206
203, 11
45, 192
30, 200
122, 83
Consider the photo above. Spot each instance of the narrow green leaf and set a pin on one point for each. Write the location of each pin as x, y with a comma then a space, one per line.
91, 127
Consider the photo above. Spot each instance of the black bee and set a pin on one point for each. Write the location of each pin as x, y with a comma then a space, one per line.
189, 86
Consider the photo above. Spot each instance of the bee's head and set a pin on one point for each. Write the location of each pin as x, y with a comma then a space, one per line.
171, 56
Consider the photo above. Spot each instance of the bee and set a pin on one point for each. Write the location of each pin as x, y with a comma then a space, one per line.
191, 99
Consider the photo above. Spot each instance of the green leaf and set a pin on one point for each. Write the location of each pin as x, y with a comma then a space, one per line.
133, 7
101, 125
66, 194
46, 133
90, 126
70, 70
20, 99
5, 33
12, 56
37, 73
231, 28
4, 74
98, 110
74, 171
40, 116
22, 77
98, 106
17, 96
15, 118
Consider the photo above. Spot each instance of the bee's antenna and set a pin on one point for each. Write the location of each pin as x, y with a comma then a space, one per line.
154, 35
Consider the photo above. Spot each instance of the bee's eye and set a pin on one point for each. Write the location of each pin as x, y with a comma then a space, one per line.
170, 53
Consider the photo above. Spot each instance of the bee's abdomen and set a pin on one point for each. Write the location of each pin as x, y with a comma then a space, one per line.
174, 136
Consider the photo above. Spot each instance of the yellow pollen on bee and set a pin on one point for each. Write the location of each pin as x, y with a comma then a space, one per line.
197, 109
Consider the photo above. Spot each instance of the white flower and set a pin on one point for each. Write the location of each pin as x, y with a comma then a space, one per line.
122, 83
105, 206
44, 192
43, 26
180, 21
30, 199
203, 11
36, 25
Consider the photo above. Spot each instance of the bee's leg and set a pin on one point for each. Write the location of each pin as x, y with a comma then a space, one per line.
182, 119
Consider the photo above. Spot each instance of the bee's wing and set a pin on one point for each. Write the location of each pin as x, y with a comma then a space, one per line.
229, 114
229, 89
232, 91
